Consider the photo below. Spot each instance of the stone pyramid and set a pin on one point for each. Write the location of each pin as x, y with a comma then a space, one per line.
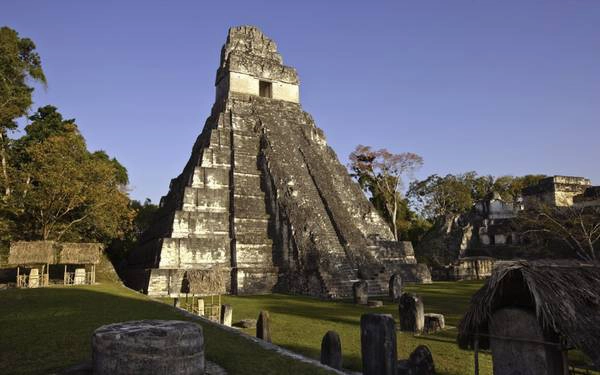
263, 202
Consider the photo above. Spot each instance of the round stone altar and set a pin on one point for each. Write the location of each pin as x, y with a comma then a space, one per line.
148, 347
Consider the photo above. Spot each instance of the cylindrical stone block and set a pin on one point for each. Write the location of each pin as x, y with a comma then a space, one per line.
410, 308
263, 326
331, 350
360, 290
378, 344
226, 315
148, 347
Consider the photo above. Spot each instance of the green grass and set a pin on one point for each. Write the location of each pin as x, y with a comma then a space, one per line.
42, 330
299, 323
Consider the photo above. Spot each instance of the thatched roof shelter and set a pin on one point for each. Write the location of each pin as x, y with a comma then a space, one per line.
79, 253
31, 252
565, 296
206, 282
51, 252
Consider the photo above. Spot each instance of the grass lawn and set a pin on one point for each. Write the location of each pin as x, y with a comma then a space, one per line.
46, 329
299, 323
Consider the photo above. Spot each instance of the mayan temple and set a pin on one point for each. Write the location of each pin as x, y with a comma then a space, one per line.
263, 201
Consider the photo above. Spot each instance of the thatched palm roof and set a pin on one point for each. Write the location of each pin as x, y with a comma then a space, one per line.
50, 252
564, 294
79, 253
31, 252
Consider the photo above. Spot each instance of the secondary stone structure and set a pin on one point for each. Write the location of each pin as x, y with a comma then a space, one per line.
263, 200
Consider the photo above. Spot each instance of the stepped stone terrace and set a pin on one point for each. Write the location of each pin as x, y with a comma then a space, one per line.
263, 202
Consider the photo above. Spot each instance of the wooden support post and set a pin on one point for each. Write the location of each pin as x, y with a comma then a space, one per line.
18, 279
476, 348
565, 355
65, 276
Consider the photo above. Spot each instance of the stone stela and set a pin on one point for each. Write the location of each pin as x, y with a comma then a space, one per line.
264, 199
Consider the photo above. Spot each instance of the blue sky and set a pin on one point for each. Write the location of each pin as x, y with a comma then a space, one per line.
499, 87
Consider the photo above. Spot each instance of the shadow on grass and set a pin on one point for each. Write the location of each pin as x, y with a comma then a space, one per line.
46, 329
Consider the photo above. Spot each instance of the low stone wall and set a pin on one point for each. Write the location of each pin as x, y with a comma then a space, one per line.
468, 268
264, 344
414, 273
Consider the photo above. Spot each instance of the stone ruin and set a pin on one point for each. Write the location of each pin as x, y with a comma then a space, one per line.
265, 198
379, 352
148, 347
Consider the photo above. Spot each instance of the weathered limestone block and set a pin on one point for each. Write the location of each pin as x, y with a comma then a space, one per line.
34, 278
412, 318
375, 303
201, 307
434, 322
360, 289
520, 356
331, 350
79, 278
226, 315
263, 326
378, 344
395, 287
148, 347
420, 362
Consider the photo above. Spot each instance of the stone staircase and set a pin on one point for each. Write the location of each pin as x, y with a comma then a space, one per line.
252, 248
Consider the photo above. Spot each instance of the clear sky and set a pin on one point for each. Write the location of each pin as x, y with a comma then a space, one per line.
499, 87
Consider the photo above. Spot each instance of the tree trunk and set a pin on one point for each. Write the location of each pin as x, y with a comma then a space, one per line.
394, 224
4, 164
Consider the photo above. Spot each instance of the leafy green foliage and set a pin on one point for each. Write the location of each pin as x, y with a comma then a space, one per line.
121, 175
438, 196
119, 248
510, 187
18, 63
61, 191
70, 194
54, 188
45, 123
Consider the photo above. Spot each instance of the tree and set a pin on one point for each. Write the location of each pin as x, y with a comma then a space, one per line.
510, 187
45, 123
120, 171
18, 63
71, 194
144, 212
455, 194
576, 227
441, 196
480, 186
380, 173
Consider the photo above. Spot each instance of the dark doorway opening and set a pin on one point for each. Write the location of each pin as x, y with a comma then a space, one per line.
265, 89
